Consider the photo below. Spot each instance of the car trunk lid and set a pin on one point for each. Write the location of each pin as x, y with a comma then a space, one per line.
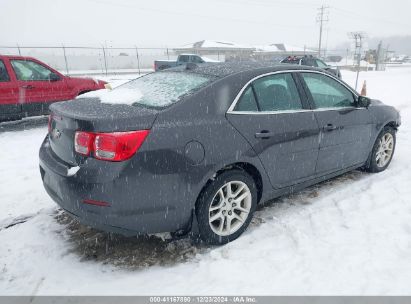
89, 114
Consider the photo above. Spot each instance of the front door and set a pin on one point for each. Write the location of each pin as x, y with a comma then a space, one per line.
345, 128
38, 85
281, 129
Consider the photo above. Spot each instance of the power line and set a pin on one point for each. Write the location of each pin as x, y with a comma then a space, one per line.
127, 5
268, 4
370, 17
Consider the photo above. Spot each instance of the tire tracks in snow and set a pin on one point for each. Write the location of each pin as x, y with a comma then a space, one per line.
21, 219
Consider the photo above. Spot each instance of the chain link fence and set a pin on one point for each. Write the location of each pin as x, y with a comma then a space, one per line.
83, 60
79, 60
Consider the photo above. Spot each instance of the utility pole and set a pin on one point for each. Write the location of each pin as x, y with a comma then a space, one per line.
322, 18
358, 38
346, 56
378, 59
386, 53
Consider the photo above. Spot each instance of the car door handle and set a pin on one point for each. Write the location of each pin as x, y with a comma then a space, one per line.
28, 87
330, 127
264, 134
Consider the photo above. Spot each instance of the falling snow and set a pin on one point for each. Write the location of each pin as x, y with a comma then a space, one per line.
349, 235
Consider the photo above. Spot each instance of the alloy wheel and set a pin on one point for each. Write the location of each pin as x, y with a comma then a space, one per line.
385, 150
230, 208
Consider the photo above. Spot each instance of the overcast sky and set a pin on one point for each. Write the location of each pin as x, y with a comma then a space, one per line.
177, 22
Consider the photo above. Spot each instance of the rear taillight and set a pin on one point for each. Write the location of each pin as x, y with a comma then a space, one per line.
117, 146
83, 142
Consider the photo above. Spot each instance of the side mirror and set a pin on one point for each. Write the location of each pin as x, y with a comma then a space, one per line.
54, 77
363, 102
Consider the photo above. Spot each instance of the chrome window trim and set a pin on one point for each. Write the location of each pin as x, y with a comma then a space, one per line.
293, 111
236, 99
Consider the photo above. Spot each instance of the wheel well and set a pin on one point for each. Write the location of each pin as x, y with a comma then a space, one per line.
83, 92
392, 124
256, 176
249, 169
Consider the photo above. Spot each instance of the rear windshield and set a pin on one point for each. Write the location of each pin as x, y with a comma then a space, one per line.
162, 89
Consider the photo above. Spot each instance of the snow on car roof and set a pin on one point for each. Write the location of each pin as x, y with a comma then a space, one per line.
227, 68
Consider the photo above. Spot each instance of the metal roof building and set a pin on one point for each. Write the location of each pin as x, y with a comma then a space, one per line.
280, 50
222, 49
228, 51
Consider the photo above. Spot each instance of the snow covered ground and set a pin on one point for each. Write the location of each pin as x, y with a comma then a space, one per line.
350, 235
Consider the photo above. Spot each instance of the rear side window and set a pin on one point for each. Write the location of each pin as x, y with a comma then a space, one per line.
309, 62
247, 101
327, 92
184, 58
161, 89
197, 59
321, 64
4, 76
277, 92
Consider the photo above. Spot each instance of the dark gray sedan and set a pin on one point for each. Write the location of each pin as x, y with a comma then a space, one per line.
197, 148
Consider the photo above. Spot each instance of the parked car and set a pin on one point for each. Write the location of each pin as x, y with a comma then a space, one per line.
198, 149
28, 87
313, 62
334, 58
182, 59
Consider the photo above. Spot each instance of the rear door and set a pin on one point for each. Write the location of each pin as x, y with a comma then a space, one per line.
345, 128
196, 59
38, 85
183, 59
280, 127
8, 91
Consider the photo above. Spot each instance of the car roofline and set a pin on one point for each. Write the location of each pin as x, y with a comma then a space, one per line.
18, 57
299, 69
278, 67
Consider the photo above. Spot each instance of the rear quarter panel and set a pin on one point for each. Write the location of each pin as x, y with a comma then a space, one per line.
200, 119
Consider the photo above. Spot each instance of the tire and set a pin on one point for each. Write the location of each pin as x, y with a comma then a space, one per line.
381, 156
232, 213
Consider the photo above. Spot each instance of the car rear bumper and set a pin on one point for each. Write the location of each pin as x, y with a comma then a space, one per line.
129, 200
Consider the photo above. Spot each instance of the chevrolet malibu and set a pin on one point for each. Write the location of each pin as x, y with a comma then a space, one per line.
198, 148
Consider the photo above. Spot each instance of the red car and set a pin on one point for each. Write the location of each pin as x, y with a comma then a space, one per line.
28, 87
